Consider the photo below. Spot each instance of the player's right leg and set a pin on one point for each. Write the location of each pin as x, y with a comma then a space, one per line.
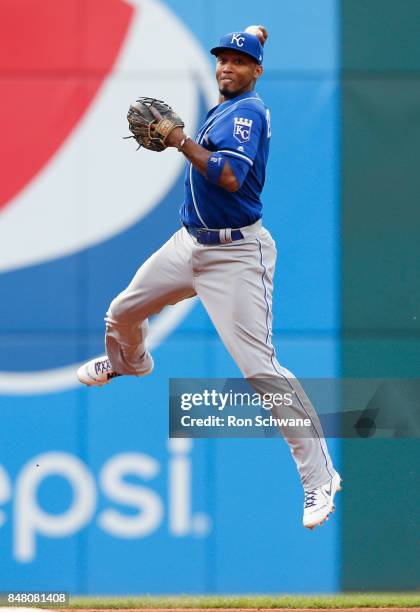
241, 311
164, 279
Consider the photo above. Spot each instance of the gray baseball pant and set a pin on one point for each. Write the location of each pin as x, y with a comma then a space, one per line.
234, 281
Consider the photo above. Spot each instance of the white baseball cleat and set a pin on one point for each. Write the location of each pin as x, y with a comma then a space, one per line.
319, 502
96, 372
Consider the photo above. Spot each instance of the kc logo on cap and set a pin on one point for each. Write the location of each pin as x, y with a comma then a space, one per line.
239, 40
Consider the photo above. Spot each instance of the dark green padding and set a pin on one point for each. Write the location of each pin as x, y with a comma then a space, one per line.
381, 280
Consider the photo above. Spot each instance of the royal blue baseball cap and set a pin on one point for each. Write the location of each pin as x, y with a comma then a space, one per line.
241, 42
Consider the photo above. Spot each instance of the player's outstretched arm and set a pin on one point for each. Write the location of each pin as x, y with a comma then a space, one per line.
156, 126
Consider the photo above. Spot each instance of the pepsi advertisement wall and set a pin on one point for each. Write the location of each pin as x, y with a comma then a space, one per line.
94, 497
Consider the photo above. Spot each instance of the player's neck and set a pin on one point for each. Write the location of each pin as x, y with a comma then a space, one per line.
223, 98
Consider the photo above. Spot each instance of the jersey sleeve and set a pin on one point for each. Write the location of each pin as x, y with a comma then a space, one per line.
238, 135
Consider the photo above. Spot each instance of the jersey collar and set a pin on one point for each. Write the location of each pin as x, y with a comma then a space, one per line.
229, 101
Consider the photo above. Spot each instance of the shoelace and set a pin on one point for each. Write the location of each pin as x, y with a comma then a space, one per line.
310, 499
102, 367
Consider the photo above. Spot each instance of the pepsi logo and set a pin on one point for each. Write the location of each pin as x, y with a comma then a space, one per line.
80, 210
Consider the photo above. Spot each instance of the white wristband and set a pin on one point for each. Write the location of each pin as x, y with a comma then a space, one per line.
181, 144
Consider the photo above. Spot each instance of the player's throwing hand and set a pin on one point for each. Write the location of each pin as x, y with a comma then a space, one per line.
258, 30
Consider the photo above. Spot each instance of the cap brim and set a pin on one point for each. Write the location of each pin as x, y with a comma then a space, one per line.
216, 50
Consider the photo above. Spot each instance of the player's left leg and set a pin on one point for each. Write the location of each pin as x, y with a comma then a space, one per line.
236, 287
164, 279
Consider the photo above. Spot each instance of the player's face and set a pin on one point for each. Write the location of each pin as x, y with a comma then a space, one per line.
236, 73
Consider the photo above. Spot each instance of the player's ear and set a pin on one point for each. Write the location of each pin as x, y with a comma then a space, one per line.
258, 71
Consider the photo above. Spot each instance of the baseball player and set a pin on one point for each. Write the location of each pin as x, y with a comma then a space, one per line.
222, 253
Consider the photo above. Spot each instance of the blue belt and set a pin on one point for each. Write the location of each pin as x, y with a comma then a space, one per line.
206, 236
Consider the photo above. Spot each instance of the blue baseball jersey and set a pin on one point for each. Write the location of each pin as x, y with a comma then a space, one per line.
238, 129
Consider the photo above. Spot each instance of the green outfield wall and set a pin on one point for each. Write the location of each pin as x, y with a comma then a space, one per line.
380, 282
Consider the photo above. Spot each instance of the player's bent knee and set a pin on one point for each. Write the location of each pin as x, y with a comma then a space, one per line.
118, 311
